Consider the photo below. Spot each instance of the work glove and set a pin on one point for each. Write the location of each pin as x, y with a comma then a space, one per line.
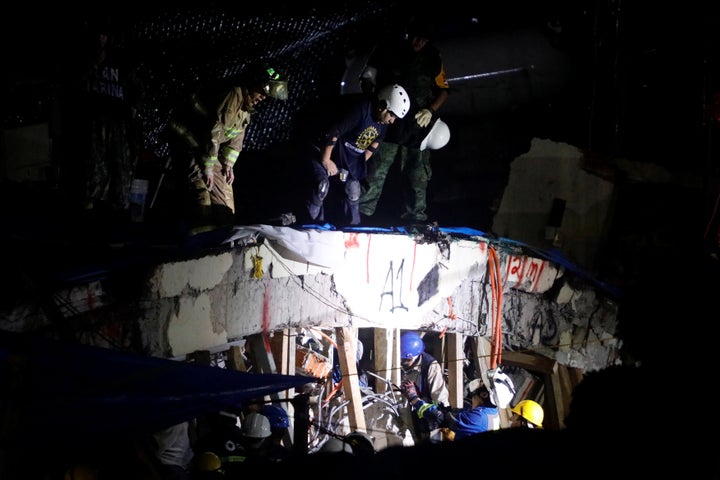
409, 390
423, 117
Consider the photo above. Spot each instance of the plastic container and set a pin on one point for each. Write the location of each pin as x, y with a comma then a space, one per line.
138, 198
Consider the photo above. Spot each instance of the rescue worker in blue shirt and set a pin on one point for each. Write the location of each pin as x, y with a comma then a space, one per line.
480, 416
345, 147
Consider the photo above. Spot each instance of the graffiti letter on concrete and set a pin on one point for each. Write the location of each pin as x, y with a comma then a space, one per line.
390, 279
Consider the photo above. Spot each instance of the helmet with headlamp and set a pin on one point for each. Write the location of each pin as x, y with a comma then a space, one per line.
268, 81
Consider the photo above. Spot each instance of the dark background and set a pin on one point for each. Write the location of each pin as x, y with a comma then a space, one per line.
643, 76
639, 86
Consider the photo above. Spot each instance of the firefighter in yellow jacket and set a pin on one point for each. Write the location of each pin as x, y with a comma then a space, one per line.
208, 135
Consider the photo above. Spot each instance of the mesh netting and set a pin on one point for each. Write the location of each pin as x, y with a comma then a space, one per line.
179, 50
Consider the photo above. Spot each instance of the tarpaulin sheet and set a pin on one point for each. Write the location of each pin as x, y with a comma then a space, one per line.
68, 390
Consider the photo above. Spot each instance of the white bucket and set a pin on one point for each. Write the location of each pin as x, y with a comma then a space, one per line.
138, 196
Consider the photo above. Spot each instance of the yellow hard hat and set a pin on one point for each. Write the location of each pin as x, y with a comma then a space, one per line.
208, 462
530, 411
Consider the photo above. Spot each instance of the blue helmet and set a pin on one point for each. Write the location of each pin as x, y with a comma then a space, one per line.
411, 345
277, 415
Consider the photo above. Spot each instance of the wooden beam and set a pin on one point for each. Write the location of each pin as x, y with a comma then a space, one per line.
261, 353
351, 386
530, 361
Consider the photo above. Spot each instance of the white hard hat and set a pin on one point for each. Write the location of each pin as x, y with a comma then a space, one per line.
437, 137
256, 425
396, 98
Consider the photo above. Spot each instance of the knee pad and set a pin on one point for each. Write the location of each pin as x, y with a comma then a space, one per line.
322, 188
352, 190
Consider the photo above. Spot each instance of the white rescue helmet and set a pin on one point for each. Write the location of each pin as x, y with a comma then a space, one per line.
437, 137
396, 99
256, 426
504, 390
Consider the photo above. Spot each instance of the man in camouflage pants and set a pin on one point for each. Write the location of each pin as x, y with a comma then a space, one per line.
417, 66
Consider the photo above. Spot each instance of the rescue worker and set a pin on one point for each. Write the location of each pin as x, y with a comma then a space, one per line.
528, 414
221, 436
276, 449
343, 149
256, 431
173, 451
421, 370
481, 415
415, 64
208, 135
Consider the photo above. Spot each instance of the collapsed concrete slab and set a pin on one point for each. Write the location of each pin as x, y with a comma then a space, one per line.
265, 278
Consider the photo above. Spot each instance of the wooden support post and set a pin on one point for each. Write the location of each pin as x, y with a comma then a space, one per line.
284, 353
456, 359
261, 356
235, 360
553, 402
576, 376
383, 341
396, 368
387, 354
351, 387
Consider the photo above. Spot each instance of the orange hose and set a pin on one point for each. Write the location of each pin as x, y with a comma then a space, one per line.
498, 272
496, 287
325, 336
493, 340
332, 392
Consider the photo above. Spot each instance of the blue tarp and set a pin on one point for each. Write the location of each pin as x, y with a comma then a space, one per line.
70, 391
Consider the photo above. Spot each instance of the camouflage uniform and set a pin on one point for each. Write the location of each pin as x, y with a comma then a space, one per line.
422, 75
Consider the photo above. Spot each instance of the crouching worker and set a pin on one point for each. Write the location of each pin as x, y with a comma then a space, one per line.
341, 151
479, 416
